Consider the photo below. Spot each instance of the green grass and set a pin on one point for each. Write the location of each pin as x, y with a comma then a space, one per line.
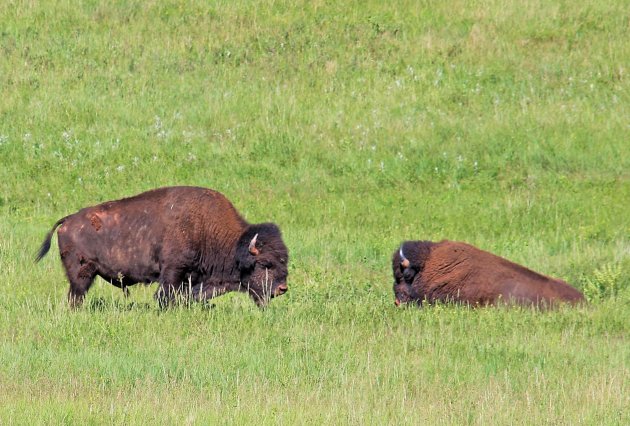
353, 126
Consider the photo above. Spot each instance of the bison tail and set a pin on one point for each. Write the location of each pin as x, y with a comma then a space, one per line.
46, 244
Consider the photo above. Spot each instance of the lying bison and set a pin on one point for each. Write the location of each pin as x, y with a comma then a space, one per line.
186, 238
459, 272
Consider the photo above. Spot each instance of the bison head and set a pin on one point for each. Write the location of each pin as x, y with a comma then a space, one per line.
262, 259
407, 262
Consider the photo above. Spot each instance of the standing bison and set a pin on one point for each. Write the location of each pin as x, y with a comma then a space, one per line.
459, 272
187, 239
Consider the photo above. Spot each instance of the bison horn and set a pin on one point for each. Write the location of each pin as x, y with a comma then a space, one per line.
252, 246
404, 262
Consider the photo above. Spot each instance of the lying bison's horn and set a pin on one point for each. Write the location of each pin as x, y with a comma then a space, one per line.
404, 262
252, 246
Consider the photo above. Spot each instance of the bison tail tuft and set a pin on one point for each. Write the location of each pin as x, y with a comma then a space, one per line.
46, 244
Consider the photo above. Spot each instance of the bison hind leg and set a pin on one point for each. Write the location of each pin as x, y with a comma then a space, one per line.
81, 276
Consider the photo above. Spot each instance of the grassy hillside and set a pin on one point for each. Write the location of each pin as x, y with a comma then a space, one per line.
353, 126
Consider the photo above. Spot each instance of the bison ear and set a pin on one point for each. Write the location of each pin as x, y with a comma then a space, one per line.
244, 260
409, 274
252, 246
246, 252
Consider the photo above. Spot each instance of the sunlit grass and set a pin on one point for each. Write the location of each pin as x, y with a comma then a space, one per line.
353, 126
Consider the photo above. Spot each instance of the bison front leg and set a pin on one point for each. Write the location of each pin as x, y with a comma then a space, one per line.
170, 282
206, 292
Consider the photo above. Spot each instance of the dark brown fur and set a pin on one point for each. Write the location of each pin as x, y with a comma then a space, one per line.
182, 237
455, 271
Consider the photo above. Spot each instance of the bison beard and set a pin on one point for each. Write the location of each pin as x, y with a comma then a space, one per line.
453, 271
190, 240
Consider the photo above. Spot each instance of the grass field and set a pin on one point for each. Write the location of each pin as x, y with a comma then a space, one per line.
352, 125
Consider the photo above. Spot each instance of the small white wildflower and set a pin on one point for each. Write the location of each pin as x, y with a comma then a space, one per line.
398, 83
438, 77
27, 137
400, 156
187, 135
154, 158
382, 166
3, 139
120, 168
191, 157
373, 147
135, 161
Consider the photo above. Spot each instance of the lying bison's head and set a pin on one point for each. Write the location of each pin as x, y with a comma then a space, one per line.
262, 259
407, 263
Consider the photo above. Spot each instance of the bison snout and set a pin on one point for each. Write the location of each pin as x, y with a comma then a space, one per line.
397, 302
281, 289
